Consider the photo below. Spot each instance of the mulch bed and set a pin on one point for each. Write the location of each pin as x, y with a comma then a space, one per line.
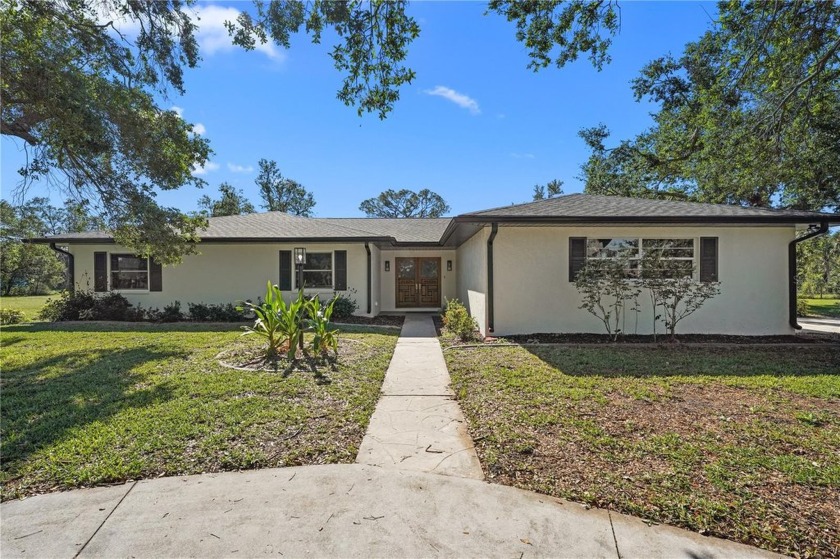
379, 320
249, 357
546, 338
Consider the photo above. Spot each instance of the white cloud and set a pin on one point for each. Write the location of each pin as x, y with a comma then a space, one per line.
523, 155
234, 168
213, 36
199, 128
464, 101
209, 166
178, 110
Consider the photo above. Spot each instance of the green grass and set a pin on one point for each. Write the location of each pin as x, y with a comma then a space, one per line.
740, 443
827, 308
30, 306
91, 404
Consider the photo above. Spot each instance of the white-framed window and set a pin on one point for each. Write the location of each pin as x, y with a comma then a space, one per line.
680, 251
129, 272
318, 270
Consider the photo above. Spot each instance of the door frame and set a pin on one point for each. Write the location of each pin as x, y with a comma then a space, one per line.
417, 261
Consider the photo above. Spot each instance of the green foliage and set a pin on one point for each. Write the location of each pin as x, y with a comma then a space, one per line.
231, 202
549, 190
343, 306
458, 320
801, 307
169, 313
374, 42
318, 319
405, 203
28, 269
280, 324
605, 290
818, 265
202, 312
85, 305
90, 110
748, 114
281, 194
559, 30
11, 316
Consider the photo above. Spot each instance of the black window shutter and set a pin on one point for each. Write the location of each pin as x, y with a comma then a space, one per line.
708, 259
100, 271
285, 282
155, 276
340, 264
577, 256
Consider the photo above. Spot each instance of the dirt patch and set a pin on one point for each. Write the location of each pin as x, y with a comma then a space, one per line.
379, 320
246, 356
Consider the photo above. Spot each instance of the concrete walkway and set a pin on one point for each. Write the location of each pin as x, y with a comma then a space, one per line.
387, 505
830, 325
417, 425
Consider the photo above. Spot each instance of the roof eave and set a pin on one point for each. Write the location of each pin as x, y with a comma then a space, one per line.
659, 220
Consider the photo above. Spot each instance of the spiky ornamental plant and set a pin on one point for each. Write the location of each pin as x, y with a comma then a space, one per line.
280, 324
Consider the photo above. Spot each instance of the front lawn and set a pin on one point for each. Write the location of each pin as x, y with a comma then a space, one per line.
735, 442
30, 305
96, 403
826, 308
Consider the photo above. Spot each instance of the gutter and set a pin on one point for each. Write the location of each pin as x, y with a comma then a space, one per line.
369, 272
494, 228
813, 231
71, 266
646, 220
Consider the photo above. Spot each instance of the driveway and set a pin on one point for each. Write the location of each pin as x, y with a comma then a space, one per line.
829, 325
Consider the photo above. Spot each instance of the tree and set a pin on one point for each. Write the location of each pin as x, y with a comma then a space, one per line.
405, 203
80, 96
749, 114
605, 290
232, 202
819, 265
281, 194
26, 269
549, 190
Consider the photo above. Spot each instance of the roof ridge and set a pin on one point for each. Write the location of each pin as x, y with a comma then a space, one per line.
569, 195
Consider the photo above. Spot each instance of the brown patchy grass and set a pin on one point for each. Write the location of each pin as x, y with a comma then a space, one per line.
740, 443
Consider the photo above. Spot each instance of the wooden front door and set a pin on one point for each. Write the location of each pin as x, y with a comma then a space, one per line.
418, 282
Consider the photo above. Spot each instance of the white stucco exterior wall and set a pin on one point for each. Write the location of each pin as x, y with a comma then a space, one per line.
472, 277
533, 292
375, 286
227, 273
388, 291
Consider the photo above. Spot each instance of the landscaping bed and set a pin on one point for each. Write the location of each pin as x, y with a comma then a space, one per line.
88, 404
664, 339
739, 443
379, 320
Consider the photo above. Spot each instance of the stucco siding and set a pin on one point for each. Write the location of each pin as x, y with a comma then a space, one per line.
533, 292
375, 288
472, 277
387, 292
226, 273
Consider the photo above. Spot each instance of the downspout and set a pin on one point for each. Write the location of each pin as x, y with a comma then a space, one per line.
494, 228
813, 231
71, 266
369, 272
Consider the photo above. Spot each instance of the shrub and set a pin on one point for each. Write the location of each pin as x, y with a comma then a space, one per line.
202, 312
605, 292
459, 321
171, 313
343, 306
11, 316
84, 305
802, 307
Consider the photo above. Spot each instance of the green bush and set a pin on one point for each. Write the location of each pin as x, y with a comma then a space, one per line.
280, 324
343, 306
84, 305
202, 312
458, 320
802, 307
324, 338
170, 313
11, 316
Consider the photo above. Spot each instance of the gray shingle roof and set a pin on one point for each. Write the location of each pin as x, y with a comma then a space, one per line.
593, 206
404, 230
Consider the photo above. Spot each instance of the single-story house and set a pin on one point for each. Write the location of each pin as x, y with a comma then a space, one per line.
513, 267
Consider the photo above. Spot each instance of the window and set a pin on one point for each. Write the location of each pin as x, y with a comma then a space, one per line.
129, 272
317, 271
631, 250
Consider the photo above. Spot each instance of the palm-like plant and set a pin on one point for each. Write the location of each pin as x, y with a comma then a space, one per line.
323, 337
280, 324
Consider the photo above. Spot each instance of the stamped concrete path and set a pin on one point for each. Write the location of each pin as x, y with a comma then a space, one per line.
417, 424
393, 508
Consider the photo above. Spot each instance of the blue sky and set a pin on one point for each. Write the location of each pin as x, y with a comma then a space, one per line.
476, 126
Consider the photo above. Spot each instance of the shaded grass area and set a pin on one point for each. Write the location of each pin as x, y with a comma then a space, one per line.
740, 443
89, 404
30, 305
828, 308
